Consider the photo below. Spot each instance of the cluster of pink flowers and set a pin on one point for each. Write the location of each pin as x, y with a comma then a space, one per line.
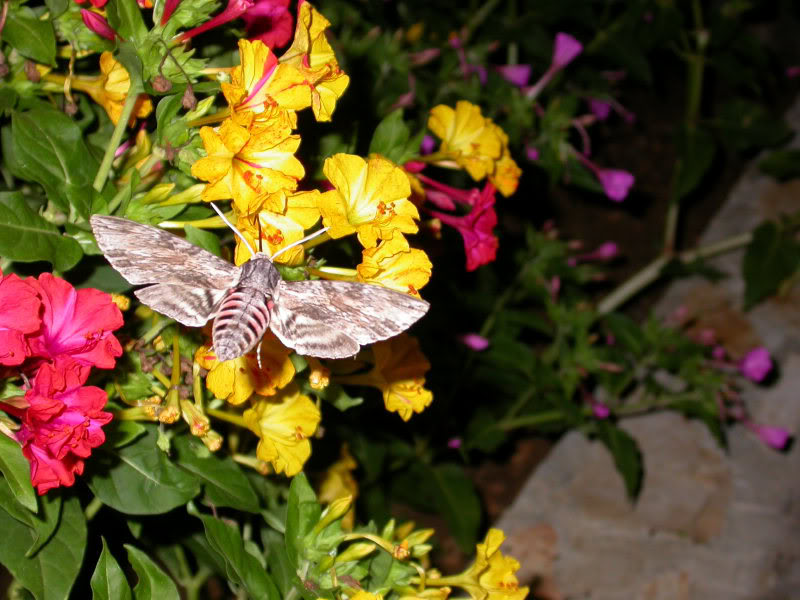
51, 335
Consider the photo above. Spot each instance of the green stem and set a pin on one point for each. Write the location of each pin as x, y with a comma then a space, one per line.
153, 332
223, 415
477, 19
651, 272
113, 143
91, 509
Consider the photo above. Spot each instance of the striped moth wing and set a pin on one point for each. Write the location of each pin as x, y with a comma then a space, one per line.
326, 319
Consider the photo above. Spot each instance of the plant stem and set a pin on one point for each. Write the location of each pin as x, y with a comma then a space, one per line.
223, 415
91, 509
113, 143
650, 273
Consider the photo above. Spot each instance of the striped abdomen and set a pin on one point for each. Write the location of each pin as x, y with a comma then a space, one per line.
242, 318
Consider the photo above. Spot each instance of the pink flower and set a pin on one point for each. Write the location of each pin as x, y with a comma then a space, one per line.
774, 437
19, 316
616, 183
423, 57
95, 3
517, 75
600, 108
269, 21
565, 50
454, 443
169, 8
605, 251
756, 364
718, 353
75, 323
600, 410
427, 145
98, 24
477, 228
474, 341
61, 424
792, 72
234, 10
532, 153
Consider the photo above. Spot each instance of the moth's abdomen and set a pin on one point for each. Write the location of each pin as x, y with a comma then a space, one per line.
241, 320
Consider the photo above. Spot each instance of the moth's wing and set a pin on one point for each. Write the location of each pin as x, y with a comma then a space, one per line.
145, 254
331, 319
192, 306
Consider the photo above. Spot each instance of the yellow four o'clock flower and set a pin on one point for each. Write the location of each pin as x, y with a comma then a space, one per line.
395, 265
312, 55
370, 199
284, 423
110, 89
238, 379
505, 174
467, 137
260, 83
339, 483
279, 228
248, 163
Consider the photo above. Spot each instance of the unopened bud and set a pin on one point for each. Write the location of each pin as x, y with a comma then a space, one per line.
189, 100
335, 510
161, 83
212, 440
199, 424
355, 552
70, 108
31, 72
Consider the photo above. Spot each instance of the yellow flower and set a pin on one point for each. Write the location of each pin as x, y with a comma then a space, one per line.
238, 379
395, 265
491, 577
339, 483
279, 227
319, 376
312, 55
370, 198
505, 174
248, 163
363, 595
467, 137
110, 89
260, 83
284, 423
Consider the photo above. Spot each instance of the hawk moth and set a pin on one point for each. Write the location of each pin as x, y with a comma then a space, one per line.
326, 319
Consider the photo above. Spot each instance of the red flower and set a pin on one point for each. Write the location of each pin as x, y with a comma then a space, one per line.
61, 424
95, 3
76, 323
19, 315
269, 21
480, 243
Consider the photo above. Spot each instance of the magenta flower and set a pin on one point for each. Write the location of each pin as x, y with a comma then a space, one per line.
454, 443
270, 22
423, 57
616, 182
517, 75
756, 364
474, 341
565, 49
718, 353
234, 10
605, 251
98, 24
465, 197
600, 108
774, 437
19, 317
532, 153
793, 71
600, 410
427, 145
467, 68
169, 8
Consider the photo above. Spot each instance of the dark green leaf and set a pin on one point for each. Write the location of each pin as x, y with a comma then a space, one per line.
121, 433
27, 237
626, 455
108, 580
125, 17
56, 7
391, 139
224, 482
105, 278
744, 125
782, 164
626, 332
153, 582
205, 239
139, 479
458, 501
302, 514
771, 257
696, 150
32, 37
44, 523
49, 149
17, 472
241, 567
8, 99
51, 572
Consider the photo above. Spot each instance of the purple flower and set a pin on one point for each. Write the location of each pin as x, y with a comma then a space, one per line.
532, 153
600, 410
517, 75
474, 341
565, 50
756, 364
774, 437
427, 145
718, 353
616, 183
600, 108
454, 443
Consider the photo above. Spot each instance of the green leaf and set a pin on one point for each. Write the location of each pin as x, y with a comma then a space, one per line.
391, 139
241, 567
204, 239
771, 258
44, 523
302, 513
8, 99
696, 150
626, 332
17, 472
626, 455
224, 482
139, 479
153, 582
56, 7
30, 36
49, 149
744, 125
121, 433
27, 237
108, 580
782, 164
458, 502
125, 17
51, 572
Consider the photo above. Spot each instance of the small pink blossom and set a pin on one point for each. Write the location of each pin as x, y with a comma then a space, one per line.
600, 410
95, 3
98, 24
600, 108
793, 71
718, 353
774, 437
532, 153
756, 364
454, 443
474, 341
565, 50
234, 10
616, 183
707, 337
427, 145
517, 75
423, 57
605, 251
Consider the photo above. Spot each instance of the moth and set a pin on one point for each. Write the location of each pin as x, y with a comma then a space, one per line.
326, 319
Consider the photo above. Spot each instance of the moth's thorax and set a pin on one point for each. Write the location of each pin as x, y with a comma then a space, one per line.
259, 273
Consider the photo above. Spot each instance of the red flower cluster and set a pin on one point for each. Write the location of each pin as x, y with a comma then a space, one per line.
55, 334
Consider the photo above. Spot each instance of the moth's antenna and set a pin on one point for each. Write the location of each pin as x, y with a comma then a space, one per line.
260, 245
236, 231
298, 242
